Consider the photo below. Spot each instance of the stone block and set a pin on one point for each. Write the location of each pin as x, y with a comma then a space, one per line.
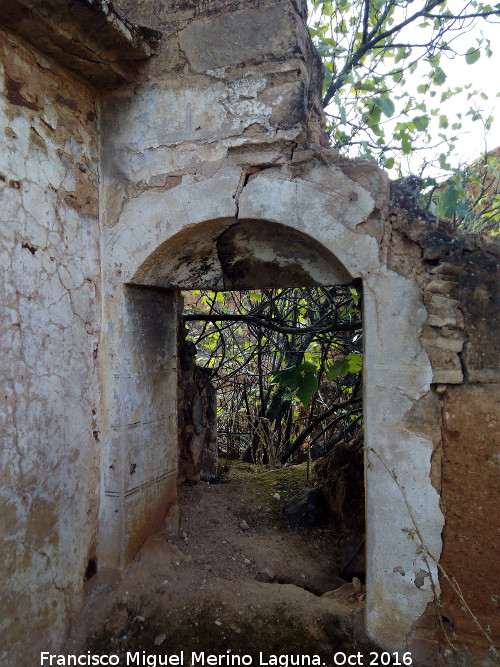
439, 286
447, 376
445, 364
438, 303
224, 40
443, 343
446, 320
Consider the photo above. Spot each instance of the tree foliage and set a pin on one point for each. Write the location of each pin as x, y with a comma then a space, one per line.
286, 365
374, 51
470, 198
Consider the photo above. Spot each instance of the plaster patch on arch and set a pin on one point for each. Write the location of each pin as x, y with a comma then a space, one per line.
397, 375
329, 218
128, 244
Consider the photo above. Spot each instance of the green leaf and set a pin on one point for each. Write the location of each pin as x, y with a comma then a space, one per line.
438, 77
355, 362
307, 388
400, 54
386, 105
406, 144
472, 56
288, 377
339, 367
355, 293
308, 367
421, 122
448, 202
443, 163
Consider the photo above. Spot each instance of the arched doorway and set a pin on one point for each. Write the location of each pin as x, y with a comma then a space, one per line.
201, 236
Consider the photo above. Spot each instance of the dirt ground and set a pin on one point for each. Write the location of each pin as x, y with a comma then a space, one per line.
235, 580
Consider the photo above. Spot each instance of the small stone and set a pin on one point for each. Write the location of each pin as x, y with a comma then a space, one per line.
139, 619
277, 496
244, 525
218, 623
247, 561
356, 584
160, 639
304, 509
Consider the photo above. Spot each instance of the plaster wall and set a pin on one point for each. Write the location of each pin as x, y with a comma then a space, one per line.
212, 175
49, 248
397, 372
215, 139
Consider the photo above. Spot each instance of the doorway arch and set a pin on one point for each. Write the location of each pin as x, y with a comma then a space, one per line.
163, 241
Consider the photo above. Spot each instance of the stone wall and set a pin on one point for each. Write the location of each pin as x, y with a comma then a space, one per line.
458, 274
197, 419
50, 327
212, 174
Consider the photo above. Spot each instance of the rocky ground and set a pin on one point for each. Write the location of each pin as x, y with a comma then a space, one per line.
235, 580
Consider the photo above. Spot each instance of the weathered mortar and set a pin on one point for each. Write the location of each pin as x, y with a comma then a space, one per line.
50, 332
252, 95
458, 274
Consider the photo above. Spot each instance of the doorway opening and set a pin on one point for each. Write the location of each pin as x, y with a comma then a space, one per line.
282, 371
280, 231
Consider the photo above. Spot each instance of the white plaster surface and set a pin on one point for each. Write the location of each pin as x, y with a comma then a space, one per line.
326, 217
49, 332
168, 176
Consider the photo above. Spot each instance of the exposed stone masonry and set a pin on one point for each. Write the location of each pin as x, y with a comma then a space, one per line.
200, 162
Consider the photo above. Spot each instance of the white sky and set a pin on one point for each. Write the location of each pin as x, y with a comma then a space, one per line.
484, 75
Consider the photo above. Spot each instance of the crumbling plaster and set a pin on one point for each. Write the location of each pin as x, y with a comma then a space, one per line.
208, 140
397, 369
49, 345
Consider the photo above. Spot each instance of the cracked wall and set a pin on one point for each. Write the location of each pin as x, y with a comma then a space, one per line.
213, 174
50, 331
458, 276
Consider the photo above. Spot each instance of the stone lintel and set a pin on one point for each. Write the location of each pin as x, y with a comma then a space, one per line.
86, 36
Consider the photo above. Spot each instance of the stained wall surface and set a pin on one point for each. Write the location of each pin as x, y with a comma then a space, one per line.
209, 157
49, 235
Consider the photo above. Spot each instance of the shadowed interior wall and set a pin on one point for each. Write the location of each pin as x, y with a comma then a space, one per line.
140, 464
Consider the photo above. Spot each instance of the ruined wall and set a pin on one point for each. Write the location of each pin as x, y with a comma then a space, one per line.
211, 160
458, 274
197, 418
50, 324
210, 163
233, 90
239, 81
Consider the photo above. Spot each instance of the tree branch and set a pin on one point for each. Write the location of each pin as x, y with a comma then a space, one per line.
307, 431
269, 324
